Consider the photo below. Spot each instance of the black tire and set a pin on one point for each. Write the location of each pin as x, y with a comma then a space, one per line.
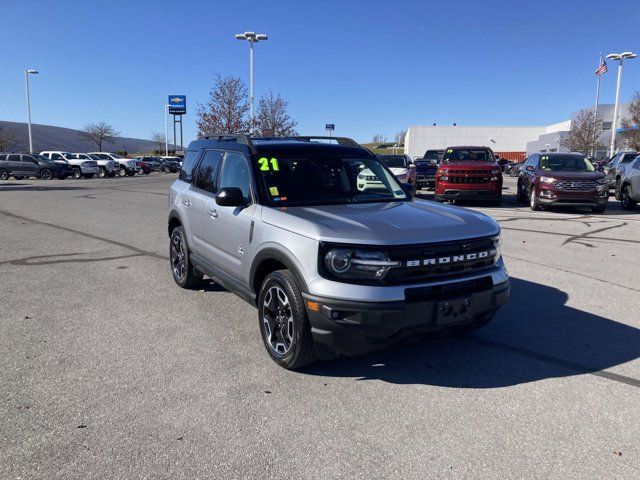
131, 174
18, 177
4, 175
522, 196
533, 200
598, 209
497, 202
627, 202
181, 269
88, 175
46, 174
166, 170
77, 174
111, 174
438, 198
62, 176
122, 172
102, 172
281, 306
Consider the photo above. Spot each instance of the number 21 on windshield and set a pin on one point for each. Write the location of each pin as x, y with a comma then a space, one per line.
267, 165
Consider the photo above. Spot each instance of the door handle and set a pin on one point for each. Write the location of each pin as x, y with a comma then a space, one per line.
186, 202
213, 213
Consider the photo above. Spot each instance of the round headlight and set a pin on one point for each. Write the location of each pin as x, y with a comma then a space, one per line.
338, 261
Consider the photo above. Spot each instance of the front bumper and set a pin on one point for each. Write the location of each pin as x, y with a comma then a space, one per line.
354, 327
89, 170
428, 180
451, 193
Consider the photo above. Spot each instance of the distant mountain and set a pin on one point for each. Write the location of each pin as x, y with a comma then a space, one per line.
48, 137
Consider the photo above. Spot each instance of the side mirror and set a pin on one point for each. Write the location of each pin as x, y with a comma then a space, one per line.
230, 197
412, 165
529, 168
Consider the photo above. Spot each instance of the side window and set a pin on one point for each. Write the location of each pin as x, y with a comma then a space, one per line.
189, 165
205, 177
235, 173
13, 158
3, 157
29, 158
56, 156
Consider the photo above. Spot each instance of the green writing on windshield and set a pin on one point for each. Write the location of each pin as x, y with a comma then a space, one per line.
268, 165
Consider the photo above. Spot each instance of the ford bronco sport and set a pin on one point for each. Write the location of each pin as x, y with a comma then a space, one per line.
331, 268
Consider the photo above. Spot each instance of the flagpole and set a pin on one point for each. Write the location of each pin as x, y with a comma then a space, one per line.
595, 111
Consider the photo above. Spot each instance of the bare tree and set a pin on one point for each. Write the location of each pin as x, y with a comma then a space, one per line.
400, 137
585, 133
8, 140
631, 125
159, 138
226, 110
99, 133
272, 119
379, 138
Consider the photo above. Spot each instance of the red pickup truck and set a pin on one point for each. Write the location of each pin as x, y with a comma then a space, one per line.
469, 173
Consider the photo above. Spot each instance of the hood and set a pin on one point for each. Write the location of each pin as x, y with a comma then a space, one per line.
470, 165
425, 166
399, 170
391, 223
572, 175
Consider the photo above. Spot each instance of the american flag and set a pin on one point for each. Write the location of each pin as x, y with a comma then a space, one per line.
602, 68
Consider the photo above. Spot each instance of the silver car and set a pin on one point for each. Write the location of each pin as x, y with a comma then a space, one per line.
332, 269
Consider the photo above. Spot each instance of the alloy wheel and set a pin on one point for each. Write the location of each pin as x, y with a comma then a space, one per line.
178, 256
45, 174
277, 320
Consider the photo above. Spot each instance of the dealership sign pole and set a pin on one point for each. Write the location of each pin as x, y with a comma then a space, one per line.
177, 107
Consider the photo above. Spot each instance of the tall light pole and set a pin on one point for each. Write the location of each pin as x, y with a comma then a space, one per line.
252, 38
166, 130
620, 58
26, 81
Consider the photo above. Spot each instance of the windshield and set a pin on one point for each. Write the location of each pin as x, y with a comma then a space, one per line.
394, 161
115, 155
565, 163
327, 179
467, 155
93, 157
433, 155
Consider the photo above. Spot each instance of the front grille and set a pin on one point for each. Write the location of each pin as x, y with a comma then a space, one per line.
468, 179
90, 163
576, 186
369, 178
424, 270
469, 172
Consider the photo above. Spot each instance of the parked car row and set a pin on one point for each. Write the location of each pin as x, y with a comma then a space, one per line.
58, 164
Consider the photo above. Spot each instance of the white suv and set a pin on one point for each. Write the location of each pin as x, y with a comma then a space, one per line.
80, 168
107, 168
125, 166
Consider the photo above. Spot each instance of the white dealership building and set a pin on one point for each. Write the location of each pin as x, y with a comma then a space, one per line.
513, 143
508, 142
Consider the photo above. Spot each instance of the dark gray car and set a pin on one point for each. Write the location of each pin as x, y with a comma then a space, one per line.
614, 168
24, 165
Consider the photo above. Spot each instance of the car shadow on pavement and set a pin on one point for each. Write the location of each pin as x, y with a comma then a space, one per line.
534, 337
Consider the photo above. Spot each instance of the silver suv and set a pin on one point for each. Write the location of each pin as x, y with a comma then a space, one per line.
331, 268
628, 189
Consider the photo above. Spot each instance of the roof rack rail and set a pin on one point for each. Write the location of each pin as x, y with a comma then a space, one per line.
230, 137
340, 140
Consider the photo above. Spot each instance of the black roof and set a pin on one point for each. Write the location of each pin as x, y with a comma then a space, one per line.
284, 145
469, 147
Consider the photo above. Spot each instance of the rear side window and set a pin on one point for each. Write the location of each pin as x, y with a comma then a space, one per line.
189, 165
13, 158
56, 156
205, 177
3, 157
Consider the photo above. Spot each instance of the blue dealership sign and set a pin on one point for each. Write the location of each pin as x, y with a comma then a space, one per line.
178, 104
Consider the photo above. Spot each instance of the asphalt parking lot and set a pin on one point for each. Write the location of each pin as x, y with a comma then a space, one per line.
109, 370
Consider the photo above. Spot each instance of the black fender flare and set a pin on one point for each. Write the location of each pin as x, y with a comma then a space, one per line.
274, 254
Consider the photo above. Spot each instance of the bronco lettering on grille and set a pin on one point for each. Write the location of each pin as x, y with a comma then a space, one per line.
448, 259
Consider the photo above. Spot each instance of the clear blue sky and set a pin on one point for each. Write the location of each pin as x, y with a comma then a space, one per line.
367, 66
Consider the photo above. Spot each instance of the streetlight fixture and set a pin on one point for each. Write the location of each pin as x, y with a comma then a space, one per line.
252, 38
619, 57
28, 72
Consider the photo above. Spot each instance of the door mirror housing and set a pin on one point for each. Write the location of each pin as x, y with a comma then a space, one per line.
230, 197
529, 168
